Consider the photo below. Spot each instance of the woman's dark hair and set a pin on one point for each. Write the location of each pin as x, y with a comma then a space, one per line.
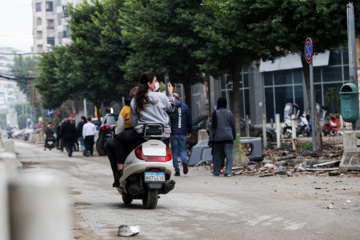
141, 97
221, 103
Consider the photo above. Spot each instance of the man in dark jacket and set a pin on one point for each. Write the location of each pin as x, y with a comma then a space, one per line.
181, 124
79, 130
68, 133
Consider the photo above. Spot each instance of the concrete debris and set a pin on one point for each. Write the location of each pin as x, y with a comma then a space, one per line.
330, 206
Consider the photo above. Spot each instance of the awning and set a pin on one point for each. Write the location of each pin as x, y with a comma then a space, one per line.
292, 61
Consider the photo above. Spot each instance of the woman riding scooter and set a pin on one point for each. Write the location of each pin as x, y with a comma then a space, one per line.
146, 107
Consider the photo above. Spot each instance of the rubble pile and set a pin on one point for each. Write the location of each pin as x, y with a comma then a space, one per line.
292, 164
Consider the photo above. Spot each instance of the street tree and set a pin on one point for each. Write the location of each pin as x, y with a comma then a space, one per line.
100, 49
227, 44
163, 40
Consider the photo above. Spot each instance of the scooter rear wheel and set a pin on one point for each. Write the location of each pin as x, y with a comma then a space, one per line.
151, 198
287, 134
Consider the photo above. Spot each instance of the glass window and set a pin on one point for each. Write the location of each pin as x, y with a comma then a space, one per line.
59, 18
246, 80
298, 76
58, 2
269, 104
65, 34
49, 6
222, 82
317, 74
51, 41
332, 74
332, 97
335, 57
283, 77
38, 6
345, 56
247, 102
283, 95
268, 79
38, 21
299, 96
229, 82
50, 24
346, 73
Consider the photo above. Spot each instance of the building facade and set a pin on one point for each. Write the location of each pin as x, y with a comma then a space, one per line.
50, 25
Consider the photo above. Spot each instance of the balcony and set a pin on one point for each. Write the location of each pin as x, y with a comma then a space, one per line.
50, 27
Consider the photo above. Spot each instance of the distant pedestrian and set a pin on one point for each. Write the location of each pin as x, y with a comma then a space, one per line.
58, 134
68, 133
181, 125
222, 136
89, 133
79, 130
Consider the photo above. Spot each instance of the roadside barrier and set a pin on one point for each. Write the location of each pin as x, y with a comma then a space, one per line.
32, 207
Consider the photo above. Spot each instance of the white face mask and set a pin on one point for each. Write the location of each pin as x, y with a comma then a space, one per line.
156, 87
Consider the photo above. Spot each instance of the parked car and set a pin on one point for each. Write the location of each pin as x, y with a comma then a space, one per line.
254, 131
105, 133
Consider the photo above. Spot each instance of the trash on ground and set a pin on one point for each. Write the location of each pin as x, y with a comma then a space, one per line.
128, 231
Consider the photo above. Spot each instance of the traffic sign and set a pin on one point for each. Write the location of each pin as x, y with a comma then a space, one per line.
49, 112
308, 50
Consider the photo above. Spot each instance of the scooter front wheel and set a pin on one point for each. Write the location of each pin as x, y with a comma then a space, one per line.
150, 199
127, 200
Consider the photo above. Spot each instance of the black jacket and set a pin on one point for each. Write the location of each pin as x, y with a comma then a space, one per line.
79, 129
68, 131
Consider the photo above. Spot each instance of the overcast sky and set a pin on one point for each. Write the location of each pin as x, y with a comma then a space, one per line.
16, 24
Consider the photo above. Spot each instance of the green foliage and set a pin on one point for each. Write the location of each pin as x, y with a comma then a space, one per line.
23, 68
307, 145
21, 121
163, 40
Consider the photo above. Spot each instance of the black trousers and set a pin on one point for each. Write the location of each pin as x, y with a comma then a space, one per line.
110, 146
89, 144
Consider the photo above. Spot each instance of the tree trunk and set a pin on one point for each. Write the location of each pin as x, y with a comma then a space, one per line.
188, 97
317, 128
236, 95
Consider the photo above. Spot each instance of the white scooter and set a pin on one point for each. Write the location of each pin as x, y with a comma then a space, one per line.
148, 169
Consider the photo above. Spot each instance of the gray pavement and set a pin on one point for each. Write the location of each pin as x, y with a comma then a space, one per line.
203, 206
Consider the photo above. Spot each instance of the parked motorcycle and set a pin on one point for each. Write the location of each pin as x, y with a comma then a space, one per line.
50, 143
330, 127
148, 169
290, 109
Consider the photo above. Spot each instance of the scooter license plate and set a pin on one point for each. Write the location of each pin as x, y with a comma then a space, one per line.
50, 142
154, 177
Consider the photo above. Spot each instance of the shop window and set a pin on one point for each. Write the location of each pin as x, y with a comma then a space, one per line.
283, 77
332, 74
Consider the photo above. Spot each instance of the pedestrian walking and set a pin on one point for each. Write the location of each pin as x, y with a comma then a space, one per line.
68, 134
181, 125
222, 136
58, 134
89, 133
79, 130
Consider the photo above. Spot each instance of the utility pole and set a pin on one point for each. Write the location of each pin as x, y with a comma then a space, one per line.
352, 52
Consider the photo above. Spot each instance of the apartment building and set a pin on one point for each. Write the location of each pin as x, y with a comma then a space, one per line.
50, 26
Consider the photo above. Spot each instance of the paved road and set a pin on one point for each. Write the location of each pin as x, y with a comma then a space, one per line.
203, 206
